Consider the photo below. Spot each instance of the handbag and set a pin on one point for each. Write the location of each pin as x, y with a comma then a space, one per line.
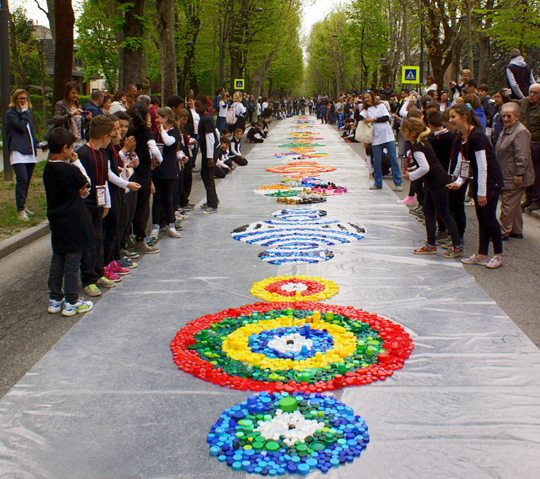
363, 132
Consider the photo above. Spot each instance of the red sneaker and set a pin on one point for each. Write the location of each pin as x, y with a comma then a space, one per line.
111, 275
117, 268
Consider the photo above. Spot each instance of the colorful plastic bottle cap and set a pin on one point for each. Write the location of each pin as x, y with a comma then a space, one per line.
303, 469
288, 404
272, 446
317, 446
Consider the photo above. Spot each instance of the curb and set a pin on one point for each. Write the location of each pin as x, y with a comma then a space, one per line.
24, 238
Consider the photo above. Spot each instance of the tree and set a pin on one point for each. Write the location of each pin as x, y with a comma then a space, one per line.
132, 42
64, 20
23, 50
98, 27
165, 23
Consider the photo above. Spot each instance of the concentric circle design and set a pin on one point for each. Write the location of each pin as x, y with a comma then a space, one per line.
294, 288
301, 168
277, 434
308, 347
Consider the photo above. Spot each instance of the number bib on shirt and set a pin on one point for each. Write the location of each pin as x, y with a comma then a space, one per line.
100, 195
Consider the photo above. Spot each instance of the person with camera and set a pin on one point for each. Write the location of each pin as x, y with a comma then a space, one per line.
69, 114
22, 146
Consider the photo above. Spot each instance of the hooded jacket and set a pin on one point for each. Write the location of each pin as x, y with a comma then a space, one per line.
520, 77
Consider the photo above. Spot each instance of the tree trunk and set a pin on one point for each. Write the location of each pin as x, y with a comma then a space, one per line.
13, 45
165, 16
485, 47
63, 57
131, 53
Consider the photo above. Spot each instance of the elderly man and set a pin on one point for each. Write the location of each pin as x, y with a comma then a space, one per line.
530, 117
513, 151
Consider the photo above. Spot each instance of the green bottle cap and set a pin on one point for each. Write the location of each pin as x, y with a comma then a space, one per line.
272, 446
288, 404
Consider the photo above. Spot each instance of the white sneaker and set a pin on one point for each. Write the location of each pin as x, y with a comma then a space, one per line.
495, 262
80, 306
55, 306
155, 232
23, 215
172, 233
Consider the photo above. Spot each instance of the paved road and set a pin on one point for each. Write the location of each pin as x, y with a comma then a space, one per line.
109, 389
27, 332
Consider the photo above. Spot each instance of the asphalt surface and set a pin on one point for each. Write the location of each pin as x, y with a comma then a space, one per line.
27, 332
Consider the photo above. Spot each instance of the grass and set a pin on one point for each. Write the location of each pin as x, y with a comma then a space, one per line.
9, 223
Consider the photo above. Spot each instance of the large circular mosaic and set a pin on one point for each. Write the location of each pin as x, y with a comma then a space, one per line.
294, 288
276, 434
301, 168
310, 347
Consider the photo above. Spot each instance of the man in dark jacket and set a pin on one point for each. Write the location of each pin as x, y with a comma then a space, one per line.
519, 75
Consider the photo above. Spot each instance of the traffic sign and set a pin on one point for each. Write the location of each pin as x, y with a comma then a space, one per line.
239, 84
410, 74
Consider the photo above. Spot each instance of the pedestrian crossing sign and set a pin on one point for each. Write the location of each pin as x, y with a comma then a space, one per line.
239, 84
410, 74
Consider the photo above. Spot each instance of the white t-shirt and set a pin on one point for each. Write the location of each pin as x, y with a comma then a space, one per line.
196, 120
240, 109
223, 109
382, 132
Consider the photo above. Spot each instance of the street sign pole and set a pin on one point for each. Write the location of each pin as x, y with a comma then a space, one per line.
4, 83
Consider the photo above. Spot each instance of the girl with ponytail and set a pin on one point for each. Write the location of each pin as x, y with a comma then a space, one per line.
475, 161
435, 178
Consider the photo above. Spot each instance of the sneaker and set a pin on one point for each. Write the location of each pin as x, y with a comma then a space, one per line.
79, 307
204, 206
180, 216
407, 201
23, 215
172, 233
375, 187
128, 263
469, 202
453, 252
398, 188
187, 207
476, 259
119, 269
419, 211
210, 211
178, 225
129, 254
495, 262
155, 232
150, 240
426, 249
143, 248
92, 290
105, 282
28, 212
55, 306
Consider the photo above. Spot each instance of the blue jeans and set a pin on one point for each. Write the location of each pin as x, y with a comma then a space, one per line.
23, 175
377, 160
340, 119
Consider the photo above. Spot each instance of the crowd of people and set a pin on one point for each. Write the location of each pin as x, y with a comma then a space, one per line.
119, 175
122, 166
456, 146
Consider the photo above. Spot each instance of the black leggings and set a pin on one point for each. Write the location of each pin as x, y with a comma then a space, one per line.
185, 182
163, 204
111, 228
436, 204
488, 226
142, 208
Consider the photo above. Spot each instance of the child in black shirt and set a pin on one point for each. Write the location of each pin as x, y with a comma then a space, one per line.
69, 221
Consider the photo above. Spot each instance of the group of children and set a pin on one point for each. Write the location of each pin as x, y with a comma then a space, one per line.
101, 197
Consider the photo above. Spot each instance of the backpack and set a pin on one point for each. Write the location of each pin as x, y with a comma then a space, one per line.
231, 114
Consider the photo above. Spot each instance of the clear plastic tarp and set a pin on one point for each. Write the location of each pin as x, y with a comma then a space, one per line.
108, 402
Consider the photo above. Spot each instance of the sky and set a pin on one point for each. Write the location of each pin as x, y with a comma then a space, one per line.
312, 13
316, 12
